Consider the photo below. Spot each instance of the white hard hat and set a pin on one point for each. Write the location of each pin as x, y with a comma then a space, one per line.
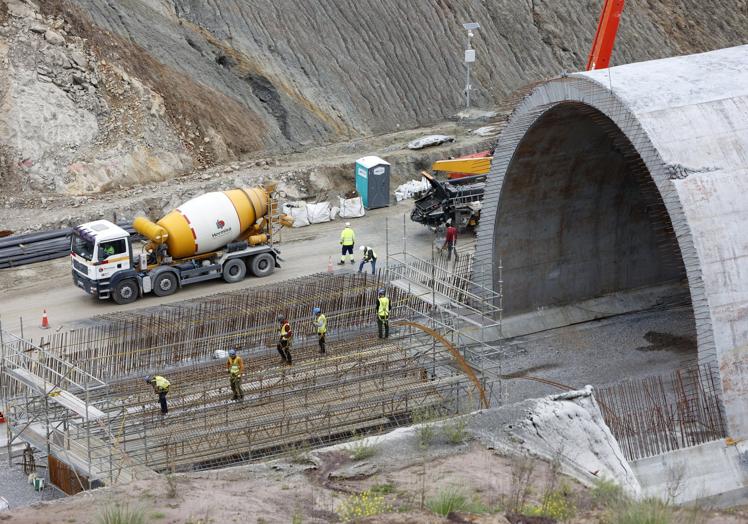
363, 248
347, 224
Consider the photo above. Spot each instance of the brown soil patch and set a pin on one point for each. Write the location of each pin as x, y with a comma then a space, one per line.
192, 109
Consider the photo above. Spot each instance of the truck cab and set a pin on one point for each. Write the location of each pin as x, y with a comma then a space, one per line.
99, 250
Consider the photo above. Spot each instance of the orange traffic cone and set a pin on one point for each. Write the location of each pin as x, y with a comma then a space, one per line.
329, 265
45, 320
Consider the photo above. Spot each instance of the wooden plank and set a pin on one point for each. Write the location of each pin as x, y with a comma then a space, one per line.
55, 394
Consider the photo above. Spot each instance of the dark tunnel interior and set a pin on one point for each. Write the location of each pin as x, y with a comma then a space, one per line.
579, 216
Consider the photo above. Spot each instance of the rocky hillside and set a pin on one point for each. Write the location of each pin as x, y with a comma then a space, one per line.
96, 94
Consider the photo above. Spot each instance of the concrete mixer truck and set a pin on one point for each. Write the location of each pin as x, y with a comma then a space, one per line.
216, 235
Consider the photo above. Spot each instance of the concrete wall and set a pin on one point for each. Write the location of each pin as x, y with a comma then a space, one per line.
709, 473
687, 119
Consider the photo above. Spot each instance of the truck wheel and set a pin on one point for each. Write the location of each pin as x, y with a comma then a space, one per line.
234, 270
263, 265
126, 291
165, 284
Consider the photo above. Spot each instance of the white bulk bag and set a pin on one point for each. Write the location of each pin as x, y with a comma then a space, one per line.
297, 211
351, 207
319, 212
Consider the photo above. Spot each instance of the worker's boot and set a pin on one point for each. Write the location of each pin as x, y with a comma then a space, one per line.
353, 261
341, 263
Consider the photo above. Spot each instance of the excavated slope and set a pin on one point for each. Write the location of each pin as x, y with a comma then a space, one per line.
303, 71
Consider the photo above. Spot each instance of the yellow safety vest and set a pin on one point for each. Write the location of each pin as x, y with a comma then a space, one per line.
347, 237
384, 307
162, 385
321, 324
235, 365
286, 331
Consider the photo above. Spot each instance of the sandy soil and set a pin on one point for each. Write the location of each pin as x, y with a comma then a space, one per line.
282, 491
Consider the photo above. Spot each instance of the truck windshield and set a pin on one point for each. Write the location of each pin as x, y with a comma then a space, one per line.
82, 247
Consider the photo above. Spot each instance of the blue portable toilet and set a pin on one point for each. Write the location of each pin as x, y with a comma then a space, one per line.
373, 181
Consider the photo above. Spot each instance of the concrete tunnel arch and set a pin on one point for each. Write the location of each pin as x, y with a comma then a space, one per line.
635, 176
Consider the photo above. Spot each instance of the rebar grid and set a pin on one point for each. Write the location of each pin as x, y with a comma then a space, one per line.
664, 413
155, 338
362, 384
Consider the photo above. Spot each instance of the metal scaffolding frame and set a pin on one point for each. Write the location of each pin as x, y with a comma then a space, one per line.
451, 298
363, 384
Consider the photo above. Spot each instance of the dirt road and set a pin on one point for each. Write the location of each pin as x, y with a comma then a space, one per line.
26, 291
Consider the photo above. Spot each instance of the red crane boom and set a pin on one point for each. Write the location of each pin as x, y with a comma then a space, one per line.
605, 36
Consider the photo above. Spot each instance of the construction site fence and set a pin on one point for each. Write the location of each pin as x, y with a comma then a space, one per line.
664, 413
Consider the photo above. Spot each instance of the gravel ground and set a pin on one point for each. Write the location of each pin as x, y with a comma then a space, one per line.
600, 352
15, 488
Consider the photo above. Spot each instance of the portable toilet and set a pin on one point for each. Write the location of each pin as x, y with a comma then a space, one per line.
373, 181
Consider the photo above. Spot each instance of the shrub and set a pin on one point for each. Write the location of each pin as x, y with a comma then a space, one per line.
451, 500
557, 504
647, 511
424, 418
382, 489
117, 514
606, 494
455, 431
360, 449
365, 504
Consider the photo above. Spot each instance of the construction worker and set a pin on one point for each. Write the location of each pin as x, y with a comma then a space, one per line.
320, 323
383, 314
369, 256
161, 388
235, 368
450, 241
347, 240
284, 343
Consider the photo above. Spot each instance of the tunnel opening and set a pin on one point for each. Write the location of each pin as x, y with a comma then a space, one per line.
584, 238
580, 216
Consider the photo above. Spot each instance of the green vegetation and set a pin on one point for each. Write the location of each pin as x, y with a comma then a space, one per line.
382, 489
156, 515
361, 449
606, 494
365, 504
121, 514
451, 500
454, 430
558, 504
424, 419
647, 511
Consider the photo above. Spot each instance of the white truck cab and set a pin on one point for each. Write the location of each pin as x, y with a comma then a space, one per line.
99, 250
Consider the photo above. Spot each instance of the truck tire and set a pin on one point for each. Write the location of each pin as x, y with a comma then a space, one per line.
262, 265
165, 284
234, 270
125, 291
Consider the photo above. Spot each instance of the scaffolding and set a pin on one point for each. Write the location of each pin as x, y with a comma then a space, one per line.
103, 421
62, 411
452, 299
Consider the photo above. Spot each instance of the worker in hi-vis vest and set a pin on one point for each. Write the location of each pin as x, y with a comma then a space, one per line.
235, 368
347, 240
161, 388
320, 323
369, 256
383, 314
284, 342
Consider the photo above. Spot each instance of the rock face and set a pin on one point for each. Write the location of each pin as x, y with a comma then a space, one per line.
568, 428
161, 86
315, 68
